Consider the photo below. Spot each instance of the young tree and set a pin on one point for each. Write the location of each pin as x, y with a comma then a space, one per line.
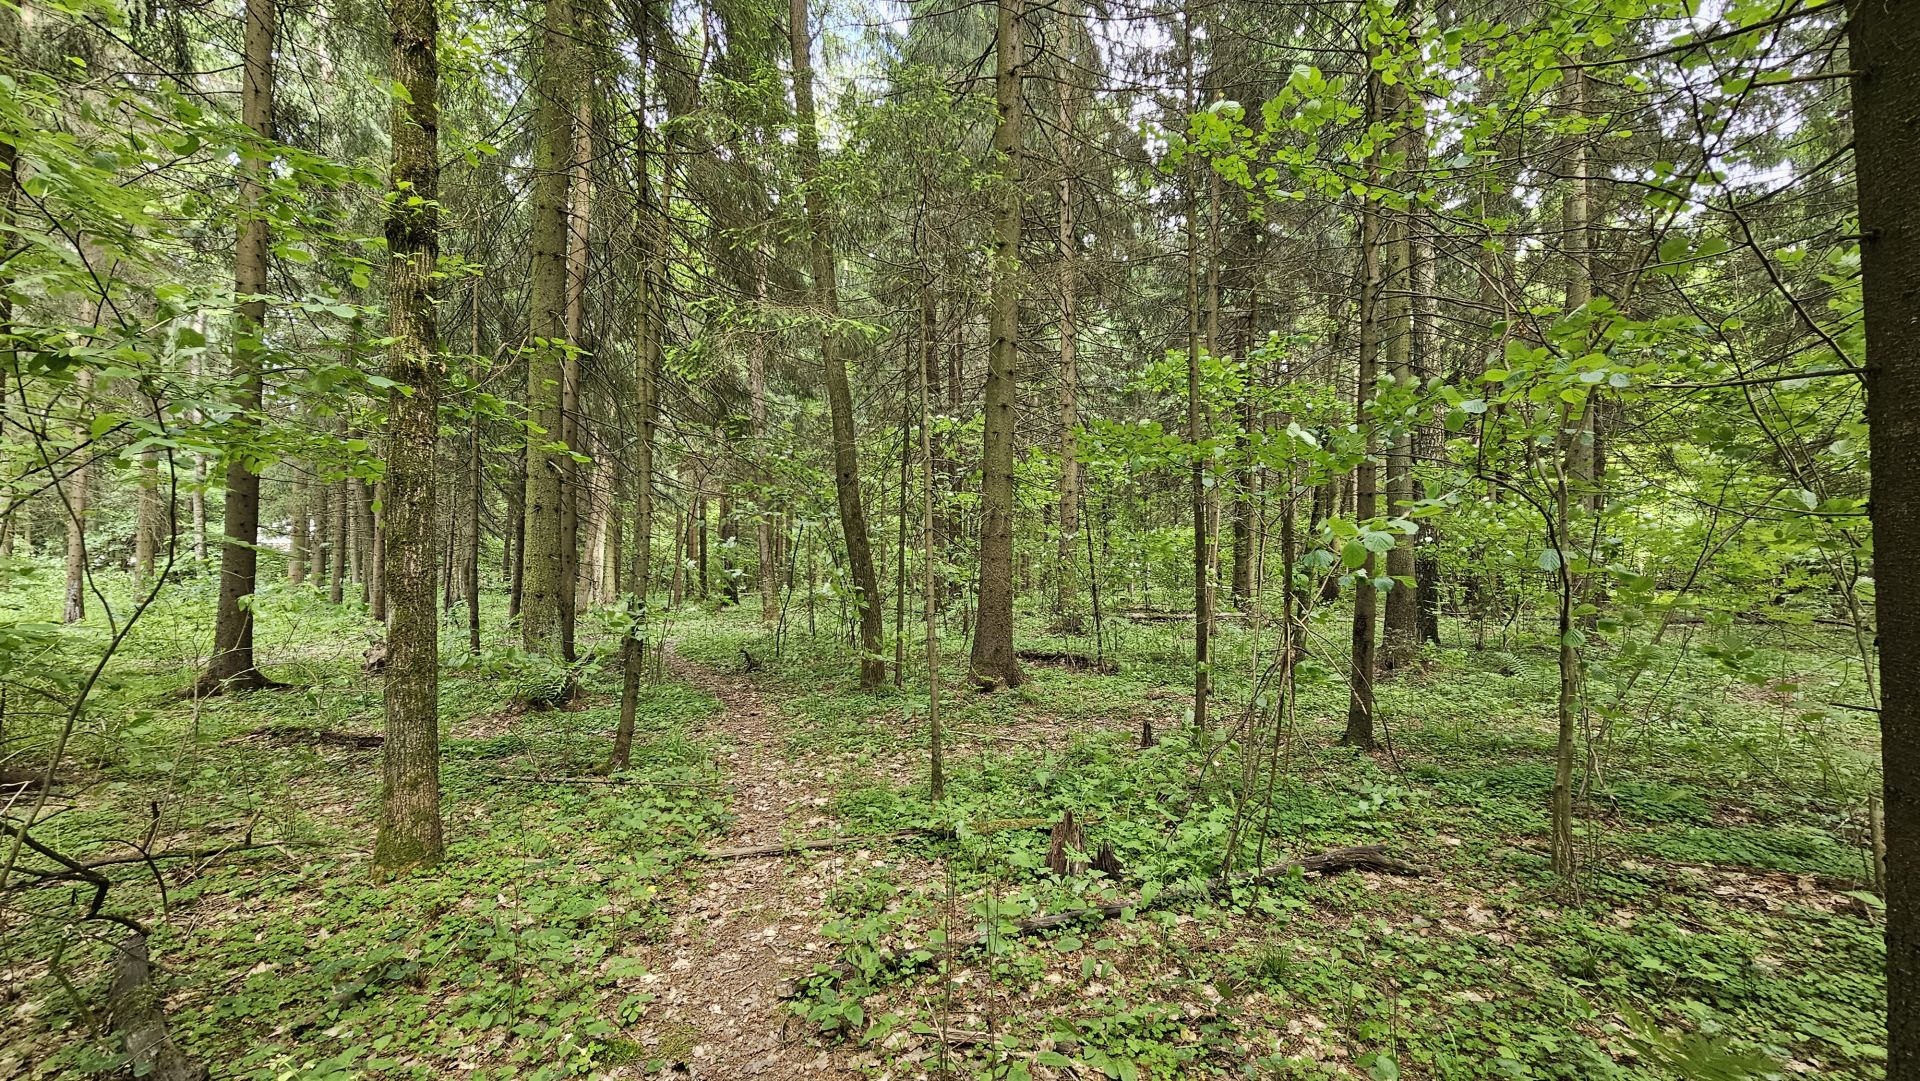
410, 829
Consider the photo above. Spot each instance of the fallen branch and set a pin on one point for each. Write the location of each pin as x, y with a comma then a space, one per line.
1357, 858
1068, 659
747, 852
783, 848
530, 778
359, 741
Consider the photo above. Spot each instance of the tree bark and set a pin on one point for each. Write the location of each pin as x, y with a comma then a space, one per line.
768, 574
336, 588
410, 828
994, 661
1066, 559
146, 529
846, 462
646, 351
1883, 40
376, 569
1576, 478
1359, 731
1401, 635
1196, 427
544, 562
572, 431
475, 493
232, 664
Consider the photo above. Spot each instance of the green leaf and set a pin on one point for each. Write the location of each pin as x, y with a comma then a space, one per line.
1354, 555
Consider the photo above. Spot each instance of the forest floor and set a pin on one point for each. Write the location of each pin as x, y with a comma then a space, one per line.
580, 927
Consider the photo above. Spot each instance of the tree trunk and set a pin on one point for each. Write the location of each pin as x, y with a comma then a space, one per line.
1401, 636
475, 493
363, 536
1884, 38
232, 664
1196, 427
929, 579
1246, 477
74, 494
319, 513
768, 573
376, 572
146, 529
336, 589
646, 351
994, 662
1359, 732
1066, 559
1576, 478
729, 534
410, 828
846, 462
543, 574
572, 431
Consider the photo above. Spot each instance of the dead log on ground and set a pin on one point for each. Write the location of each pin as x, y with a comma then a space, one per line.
532, 778
134, 1006
357, 741
1357, 858
1068, 659
851, 840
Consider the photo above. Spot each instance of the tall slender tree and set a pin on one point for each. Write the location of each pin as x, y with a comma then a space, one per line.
232, 664
826, 302
994, 662
410, 827
544, 562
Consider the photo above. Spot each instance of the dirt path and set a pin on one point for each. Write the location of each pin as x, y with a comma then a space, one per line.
751, 923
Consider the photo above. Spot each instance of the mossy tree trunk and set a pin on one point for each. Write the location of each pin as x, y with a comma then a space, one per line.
410, 828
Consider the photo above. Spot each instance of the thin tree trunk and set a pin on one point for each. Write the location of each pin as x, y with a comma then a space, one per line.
75, 493
376, 571
646, 350
768, 572
1576, 478
1066, 559
1196, 426
729, 534
475, 492
342, 543
846, 463
232, 663
1401, 635
146, 529
572, 433
994, 662
319, 511
929, 581
410, 827
1359, 731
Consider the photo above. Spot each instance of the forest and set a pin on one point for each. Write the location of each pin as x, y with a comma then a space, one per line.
1299, 539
